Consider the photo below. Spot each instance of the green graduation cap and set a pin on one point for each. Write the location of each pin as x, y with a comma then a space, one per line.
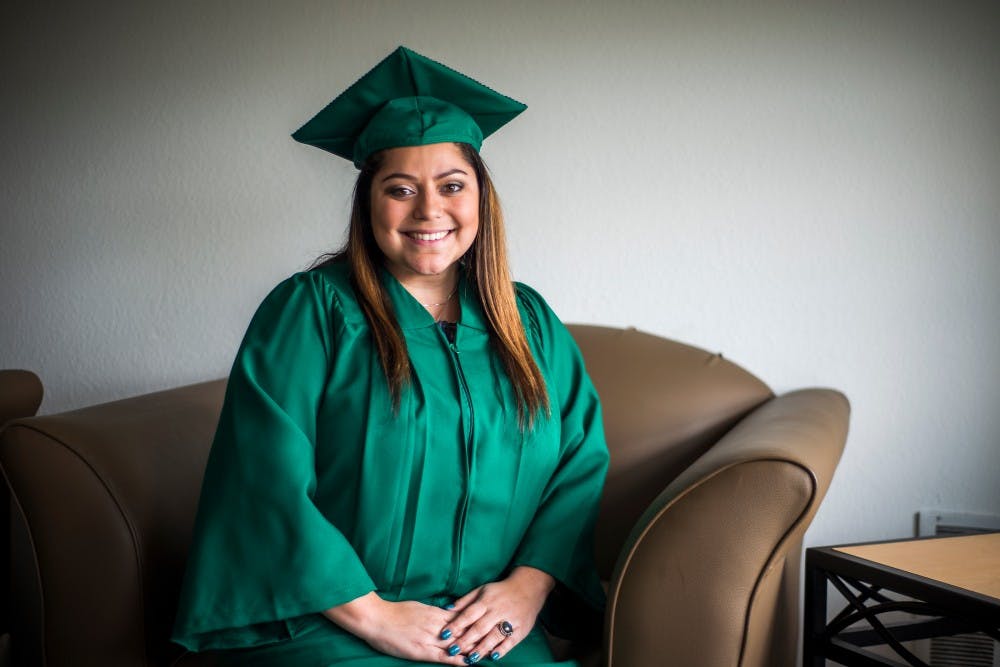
407, 100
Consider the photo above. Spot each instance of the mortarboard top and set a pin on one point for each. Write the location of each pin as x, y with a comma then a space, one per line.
407, 100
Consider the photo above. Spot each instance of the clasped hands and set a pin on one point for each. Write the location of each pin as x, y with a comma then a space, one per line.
462, 634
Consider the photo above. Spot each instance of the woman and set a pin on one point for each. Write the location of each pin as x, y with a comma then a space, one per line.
410, 454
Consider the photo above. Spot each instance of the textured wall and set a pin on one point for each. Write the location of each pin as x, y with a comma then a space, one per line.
811, 188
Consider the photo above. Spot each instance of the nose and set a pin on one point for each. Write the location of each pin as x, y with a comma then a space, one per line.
428, 205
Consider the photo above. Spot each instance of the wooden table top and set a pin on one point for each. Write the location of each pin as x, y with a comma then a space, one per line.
971, 562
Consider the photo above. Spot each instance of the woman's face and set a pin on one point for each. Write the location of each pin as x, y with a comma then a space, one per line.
424, 208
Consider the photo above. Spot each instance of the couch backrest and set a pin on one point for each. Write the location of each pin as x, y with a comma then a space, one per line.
664, 405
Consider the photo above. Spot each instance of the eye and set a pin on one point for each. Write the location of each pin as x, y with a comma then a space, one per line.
400, 191
453, 187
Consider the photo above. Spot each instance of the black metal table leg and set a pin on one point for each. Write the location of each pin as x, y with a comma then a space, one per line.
815, 616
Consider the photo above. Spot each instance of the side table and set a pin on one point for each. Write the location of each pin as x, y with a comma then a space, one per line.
951, 583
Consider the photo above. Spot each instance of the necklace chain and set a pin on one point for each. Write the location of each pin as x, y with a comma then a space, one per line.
433, 305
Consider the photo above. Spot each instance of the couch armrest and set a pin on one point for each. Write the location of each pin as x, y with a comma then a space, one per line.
20, 394
105, 499
708, 550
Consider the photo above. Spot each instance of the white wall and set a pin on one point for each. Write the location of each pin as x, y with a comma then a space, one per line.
811, 188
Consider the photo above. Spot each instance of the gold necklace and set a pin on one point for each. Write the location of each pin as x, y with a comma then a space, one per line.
434, 305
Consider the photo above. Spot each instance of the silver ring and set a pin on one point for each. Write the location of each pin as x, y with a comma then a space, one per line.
505, 628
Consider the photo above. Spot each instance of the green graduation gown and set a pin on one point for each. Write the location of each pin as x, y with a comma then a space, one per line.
316, 492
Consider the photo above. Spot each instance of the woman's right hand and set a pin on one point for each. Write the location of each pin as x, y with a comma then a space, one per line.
410, 630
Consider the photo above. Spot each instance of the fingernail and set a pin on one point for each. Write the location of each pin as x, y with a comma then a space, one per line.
450, 605
453, 649
474, 658
495, 655
446, 634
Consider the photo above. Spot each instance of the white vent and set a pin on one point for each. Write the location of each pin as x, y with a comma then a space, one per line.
938, 522
975, 650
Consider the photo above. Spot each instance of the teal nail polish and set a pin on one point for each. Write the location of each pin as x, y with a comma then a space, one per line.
450, 605
495, 655
453, 649
446, 634
473, 658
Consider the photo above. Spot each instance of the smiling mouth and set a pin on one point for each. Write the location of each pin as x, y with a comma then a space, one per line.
433, 236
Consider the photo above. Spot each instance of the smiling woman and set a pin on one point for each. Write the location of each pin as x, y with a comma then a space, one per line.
425, 216
412, 435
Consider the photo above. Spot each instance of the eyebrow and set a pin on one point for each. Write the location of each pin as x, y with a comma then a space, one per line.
410, 177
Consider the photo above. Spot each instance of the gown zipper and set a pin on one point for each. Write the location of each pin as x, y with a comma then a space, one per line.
463, 512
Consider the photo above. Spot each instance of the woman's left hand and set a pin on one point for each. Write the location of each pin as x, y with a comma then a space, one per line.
479, 614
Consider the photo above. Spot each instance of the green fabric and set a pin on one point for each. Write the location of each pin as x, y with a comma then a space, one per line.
407, 100
324, 646
315, 493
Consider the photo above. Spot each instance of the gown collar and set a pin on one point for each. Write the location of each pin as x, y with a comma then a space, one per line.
411, 315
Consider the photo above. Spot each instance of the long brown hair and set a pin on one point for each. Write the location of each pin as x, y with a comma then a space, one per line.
487, 269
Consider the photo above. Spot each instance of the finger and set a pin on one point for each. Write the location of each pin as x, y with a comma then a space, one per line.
462, 602
503, 648
453, 650
495, 645
445, 632
440, 625
436, 650
435, 654
447, 640
448, 659
468, 617
454, 647
415, 649
484, 635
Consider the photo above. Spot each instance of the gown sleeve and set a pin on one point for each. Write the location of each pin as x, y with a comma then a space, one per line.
560, 537
263, 554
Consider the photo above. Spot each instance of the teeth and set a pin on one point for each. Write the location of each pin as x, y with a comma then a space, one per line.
436, 236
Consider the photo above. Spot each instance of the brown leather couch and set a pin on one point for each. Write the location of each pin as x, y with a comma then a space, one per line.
713, 482
20, 396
